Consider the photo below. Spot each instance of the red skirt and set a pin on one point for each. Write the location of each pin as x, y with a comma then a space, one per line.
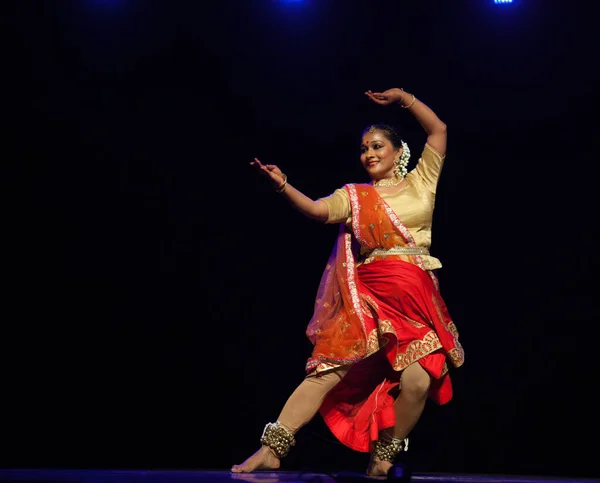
415, 326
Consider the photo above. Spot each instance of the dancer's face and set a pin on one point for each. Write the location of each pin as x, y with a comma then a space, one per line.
378, 155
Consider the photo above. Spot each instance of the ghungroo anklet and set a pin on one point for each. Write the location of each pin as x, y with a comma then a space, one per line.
389, 450
279, 439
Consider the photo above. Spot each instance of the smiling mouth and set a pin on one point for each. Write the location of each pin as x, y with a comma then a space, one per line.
372, 163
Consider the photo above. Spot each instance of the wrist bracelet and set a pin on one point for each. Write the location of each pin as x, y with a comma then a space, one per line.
282, 188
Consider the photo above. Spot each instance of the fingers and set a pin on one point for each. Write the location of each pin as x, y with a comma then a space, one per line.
378, 100
259, 166
268, 170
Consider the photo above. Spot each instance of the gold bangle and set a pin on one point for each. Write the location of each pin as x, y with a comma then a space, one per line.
411, 104
281, 189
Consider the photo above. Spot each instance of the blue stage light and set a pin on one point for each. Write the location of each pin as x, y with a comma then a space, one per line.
503, 1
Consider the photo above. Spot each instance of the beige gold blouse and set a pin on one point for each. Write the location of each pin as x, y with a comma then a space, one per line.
414, 204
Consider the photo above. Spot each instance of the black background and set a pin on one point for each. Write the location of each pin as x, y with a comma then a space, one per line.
157, 290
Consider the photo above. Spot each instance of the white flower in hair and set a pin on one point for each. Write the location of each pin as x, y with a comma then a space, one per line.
402, 163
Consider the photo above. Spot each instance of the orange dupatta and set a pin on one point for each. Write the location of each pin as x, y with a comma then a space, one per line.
342, 328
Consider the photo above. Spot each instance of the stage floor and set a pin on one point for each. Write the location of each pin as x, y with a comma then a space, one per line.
172, 476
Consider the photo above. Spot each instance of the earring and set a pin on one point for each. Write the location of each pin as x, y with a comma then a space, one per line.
397, 168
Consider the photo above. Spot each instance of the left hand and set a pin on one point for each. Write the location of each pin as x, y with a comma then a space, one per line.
385, 98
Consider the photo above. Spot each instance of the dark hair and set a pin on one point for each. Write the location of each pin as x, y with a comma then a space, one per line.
388, 131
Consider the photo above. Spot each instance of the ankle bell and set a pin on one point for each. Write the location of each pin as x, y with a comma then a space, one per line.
389, 450
279, 439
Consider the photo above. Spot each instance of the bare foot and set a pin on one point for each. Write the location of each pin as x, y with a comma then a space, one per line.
378, 467
263, 459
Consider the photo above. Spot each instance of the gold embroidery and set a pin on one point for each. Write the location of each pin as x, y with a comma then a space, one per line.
449, 325
386, 327
373, 342
416, 350
370, 302
356, 209
358, 347
323, 367
438, 309
416, 324
365, 308
457, 355
321, 360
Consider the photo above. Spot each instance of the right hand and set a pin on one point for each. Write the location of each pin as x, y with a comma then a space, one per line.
270, 171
